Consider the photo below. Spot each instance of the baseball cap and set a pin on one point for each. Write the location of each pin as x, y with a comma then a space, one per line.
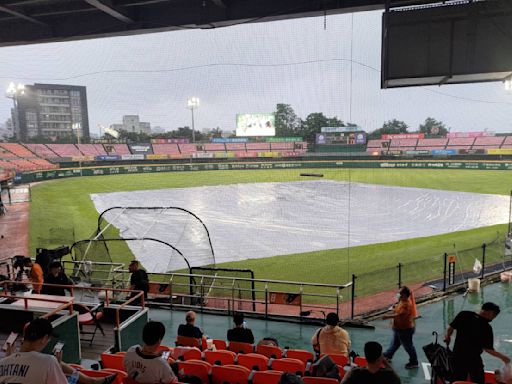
38, 328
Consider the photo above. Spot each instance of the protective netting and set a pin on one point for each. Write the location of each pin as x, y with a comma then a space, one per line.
173, 226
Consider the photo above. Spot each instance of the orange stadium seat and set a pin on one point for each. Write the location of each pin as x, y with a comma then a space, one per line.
230, 374
270, 351
184, 341
266, 377
360, 361
253, 361
186, 353
198, 368
114, 361
301, 354
220, 344
490, 377
289, 365
88, 372
220, 357
237, 347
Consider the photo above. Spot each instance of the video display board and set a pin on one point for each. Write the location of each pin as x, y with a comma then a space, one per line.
256, 124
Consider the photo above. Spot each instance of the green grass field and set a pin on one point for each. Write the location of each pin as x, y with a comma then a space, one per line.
66, 203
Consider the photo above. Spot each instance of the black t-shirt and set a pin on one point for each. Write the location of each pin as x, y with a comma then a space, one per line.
189, 330
474, 333
139, 279
360, 375
241, 335
61, 279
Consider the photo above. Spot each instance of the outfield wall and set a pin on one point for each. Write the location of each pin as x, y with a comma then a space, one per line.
153, 168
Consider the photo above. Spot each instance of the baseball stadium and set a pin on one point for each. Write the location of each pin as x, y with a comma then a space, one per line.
280, 213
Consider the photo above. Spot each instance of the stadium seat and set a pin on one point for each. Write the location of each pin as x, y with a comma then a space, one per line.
360, 361
183, 341
237, 347
220, 357
337, 358
198, 368
220, 344
266, 377
186, 353
319, 380
270, 351
289, 365
253, 361
301, 354
114, 361
490, 377
230, 374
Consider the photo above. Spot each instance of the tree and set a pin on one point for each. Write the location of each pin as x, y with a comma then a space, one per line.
287, 122
313, 125
390, 127
433, 127
215, 133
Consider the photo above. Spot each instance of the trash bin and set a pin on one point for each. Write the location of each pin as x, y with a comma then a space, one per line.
474, 285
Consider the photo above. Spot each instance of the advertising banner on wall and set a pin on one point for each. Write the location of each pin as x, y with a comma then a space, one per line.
352, 128
256, 124
230, 140
403, 136
141, 149
443, 152
451, 135
170, 141
342, 138
281, 139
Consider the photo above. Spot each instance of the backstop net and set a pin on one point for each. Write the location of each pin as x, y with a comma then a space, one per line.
153, 229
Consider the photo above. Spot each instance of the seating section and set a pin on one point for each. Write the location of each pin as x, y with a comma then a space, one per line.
461, 141
90, 149
16, 156
65, 150
214, 147
42, 150
165, 149
432, 142
118, 149
403, 143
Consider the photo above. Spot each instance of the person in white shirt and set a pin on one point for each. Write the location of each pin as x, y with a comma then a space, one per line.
145, 364
29, 365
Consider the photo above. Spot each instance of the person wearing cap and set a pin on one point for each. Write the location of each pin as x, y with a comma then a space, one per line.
139, 279
403, 316
378, 369
29, 365
474, 336
145, 364
240, 333
331, 338
58, 277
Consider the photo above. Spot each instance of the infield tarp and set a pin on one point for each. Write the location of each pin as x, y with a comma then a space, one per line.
259, 220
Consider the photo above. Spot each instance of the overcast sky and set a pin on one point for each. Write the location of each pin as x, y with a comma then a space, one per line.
250, 68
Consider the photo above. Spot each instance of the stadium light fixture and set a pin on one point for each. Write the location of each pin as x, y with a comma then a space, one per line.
193, 103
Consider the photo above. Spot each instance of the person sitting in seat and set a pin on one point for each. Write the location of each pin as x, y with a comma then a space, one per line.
240, 333
56, 276
189, 329
145, 364
29, 365
331, 338
35, 275
378, 369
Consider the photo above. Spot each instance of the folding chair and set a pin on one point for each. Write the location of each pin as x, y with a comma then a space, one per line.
90, 317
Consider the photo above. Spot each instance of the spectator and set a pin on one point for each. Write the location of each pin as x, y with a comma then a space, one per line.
145, 364
56, 276
139, 279
331, 338
290, 378
29, 365
403, 328
378, 369
270, 341
35, 275
240, 333
189, 329
474, 335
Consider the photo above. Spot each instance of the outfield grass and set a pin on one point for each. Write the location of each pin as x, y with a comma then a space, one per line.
64, 203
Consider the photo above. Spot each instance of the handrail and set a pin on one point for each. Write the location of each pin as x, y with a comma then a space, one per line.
140, 295
58, 309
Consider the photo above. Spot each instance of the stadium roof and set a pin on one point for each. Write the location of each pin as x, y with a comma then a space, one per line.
36, 21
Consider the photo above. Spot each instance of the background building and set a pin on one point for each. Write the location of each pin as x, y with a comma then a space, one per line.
132, 123
51, 110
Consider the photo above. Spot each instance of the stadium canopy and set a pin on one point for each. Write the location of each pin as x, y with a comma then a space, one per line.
37, 21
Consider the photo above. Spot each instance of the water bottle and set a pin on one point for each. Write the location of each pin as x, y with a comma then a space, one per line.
73, 379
